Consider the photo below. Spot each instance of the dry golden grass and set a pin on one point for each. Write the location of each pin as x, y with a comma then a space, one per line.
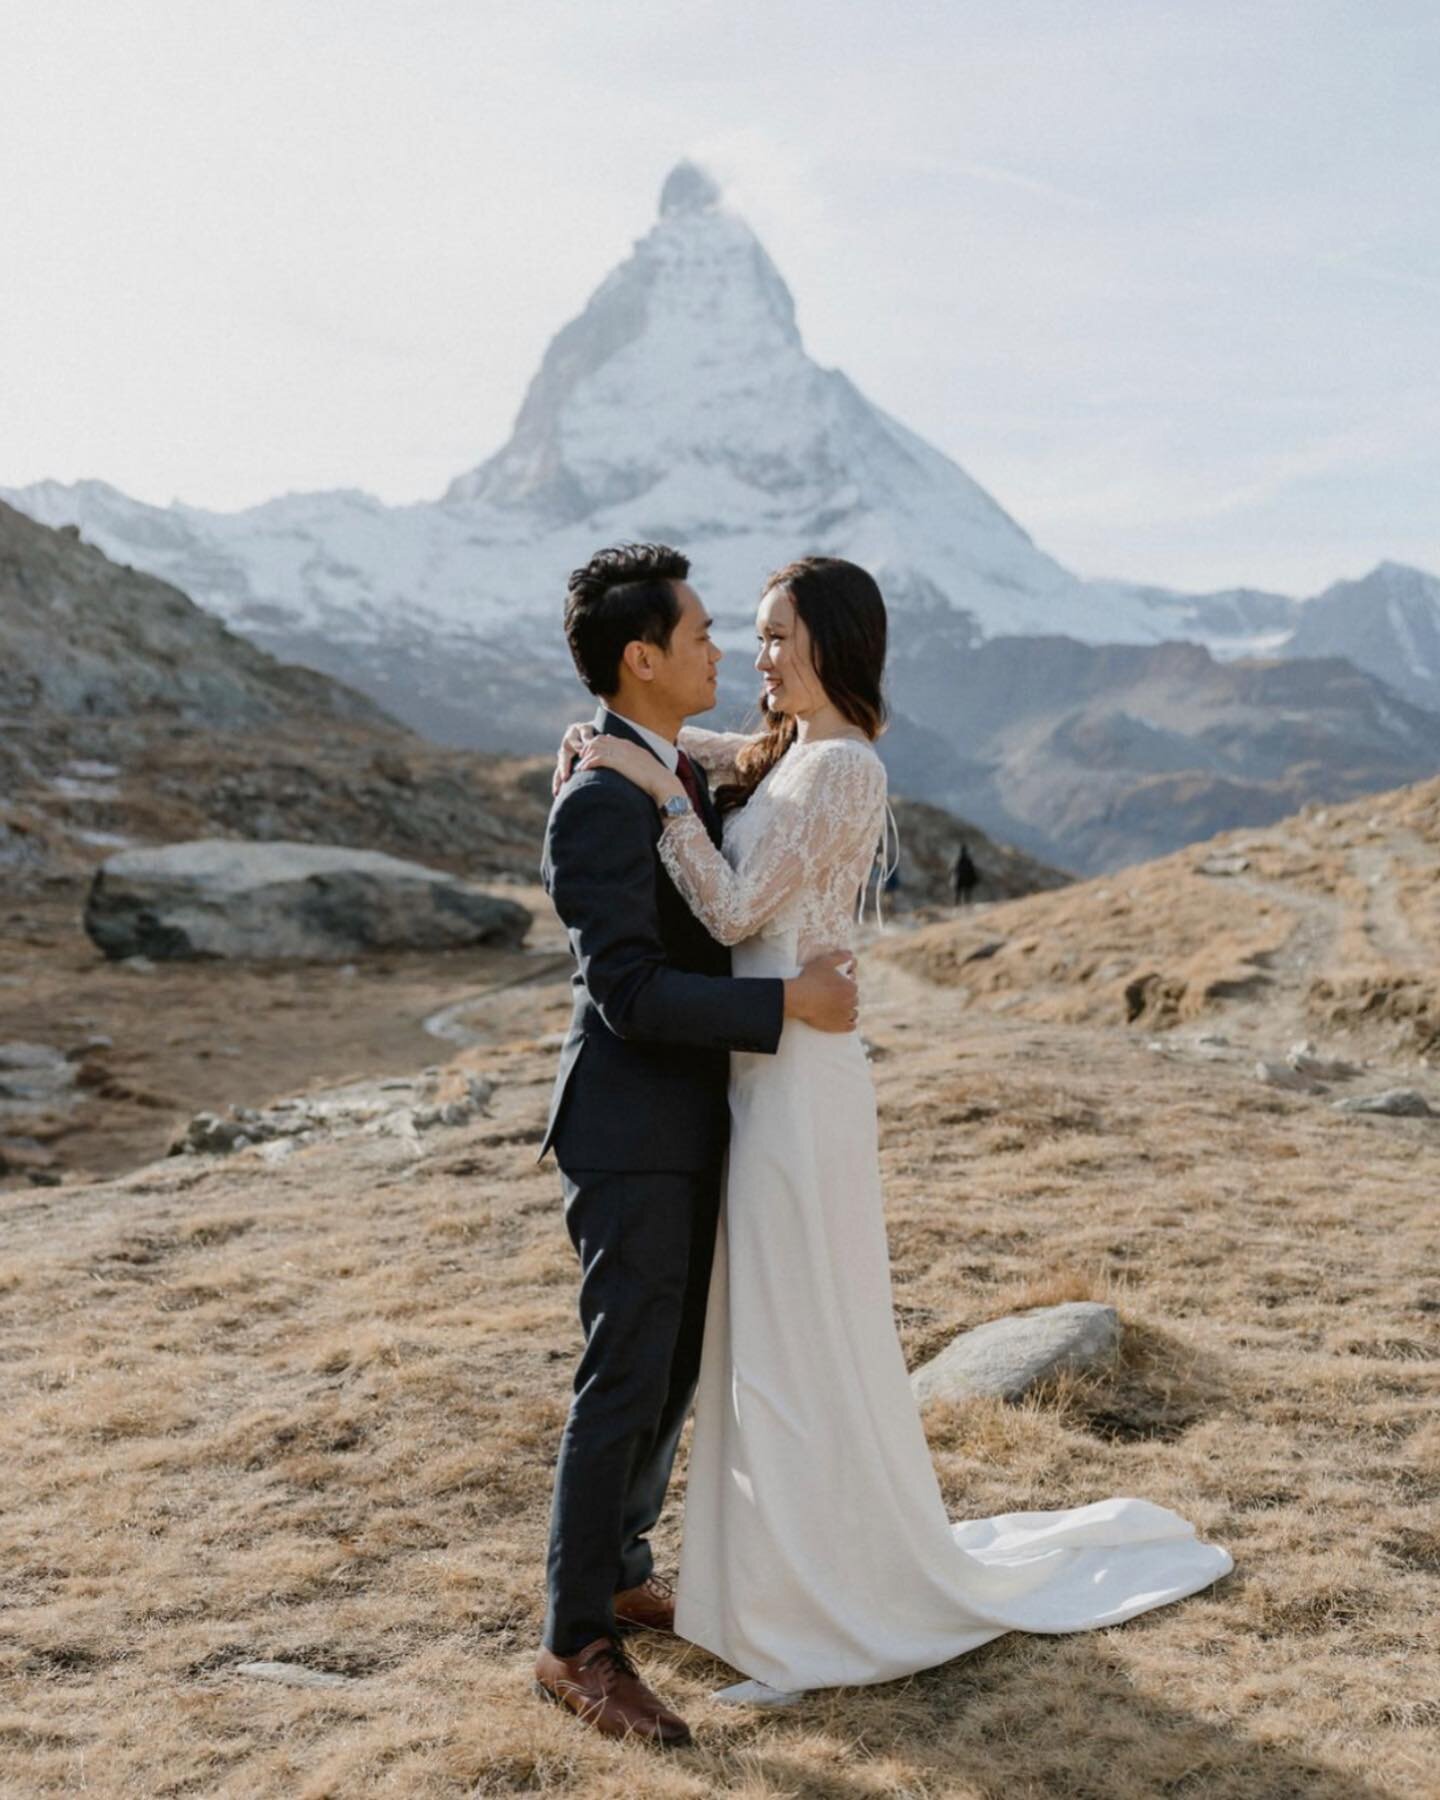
1348, 892
307, 1412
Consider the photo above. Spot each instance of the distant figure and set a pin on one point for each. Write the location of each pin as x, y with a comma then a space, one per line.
966, 876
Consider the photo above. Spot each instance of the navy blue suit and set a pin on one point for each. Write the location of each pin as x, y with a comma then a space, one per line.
639, 1123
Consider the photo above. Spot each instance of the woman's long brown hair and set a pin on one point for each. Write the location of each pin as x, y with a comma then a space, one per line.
844, 614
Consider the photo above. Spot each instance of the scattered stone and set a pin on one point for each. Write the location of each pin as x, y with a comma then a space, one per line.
1399, 1103
982, 952
34, 1075
1223, 865
1305, 1060
1281, 1075
399, 1107
292, 1674
226, 897
1217, 1038
141, 965
1007, 1356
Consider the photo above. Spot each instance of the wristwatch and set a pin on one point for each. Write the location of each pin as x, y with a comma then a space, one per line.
676, 806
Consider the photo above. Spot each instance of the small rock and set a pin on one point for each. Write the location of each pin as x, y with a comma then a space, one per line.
1211, 1037
34, 1075
1399, 1103
1223, 865
1304, 1059
141, 965
21, 1055
983, 952
1007, 1356
292, 1674
1281, 1075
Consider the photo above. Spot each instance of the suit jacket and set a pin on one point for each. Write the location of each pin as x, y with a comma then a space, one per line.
645, 1066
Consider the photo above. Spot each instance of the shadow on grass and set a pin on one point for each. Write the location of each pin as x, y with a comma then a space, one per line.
1021, 1718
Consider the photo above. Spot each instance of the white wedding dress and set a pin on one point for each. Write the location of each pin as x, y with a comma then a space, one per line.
817, 1551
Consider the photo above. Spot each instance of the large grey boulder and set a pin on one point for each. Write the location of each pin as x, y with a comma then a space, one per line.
225, 897
1007, 1356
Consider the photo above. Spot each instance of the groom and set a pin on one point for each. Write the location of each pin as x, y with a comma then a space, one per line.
639, 1123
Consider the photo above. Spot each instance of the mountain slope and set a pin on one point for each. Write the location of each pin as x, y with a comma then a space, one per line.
1387, 622
83, 636
1095, 756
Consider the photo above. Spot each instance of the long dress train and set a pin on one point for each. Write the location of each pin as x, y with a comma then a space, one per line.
817, 1551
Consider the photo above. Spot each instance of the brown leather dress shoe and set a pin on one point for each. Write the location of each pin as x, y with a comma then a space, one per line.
601, 1685
651, 1605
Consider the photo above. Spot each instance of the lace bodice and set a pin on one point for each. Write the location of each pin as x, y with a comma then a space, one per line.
715, 751
796, 856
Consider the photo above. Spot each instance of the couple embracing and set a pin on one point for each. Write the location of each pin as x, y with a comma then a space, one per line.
714, 1124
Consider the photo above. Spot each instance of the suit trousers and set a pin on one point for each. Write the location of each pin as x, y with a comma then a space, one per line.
645, 1241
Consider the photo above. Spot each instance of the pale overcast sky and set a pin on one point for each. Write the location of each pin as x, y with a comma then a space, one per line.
1162, 275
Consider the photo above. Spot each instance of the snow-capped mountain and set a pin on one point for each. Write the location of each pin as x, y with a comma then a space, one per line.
1387, 622
1230, 622
681, 405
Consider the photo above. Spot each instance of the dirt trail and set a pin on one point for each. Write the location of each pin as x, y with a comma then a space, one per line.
1385, 924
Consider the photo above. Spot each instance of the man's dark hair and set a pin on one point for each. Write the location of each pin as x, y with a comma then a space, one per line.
620, 595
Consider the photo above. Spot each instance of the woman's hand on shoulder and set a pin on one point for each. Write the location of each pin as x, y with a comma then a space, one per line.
571, 745
647, 772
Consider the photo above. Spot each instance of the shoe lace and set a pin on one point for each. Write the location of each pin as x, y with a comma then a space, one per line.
658, 1585
613, 1659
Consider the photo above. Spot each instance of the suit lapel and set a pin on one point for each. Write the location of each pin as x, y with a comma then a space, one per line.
613, 726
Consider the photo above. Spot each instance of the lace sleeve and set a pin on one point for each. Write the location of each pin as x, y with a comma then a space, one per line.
826, 815
715, 751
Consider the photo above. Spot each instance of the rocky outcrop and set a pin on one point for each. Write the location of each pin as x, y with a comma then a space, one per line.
400, 1106
87, 637
319, 902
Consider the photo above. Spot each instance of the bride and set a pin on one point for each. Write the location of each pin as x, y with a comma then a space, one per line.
817, 1551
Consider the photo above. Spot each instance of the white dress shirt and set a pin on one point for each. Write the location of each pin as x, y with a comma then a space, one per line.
668, 753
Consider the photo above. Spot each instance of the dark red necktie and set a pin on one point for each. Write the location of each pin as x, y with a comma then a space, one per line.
685, 769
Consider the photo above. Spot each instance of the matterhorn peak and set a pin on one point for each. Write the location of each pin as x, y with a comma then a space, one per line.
688, 189
682, 357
